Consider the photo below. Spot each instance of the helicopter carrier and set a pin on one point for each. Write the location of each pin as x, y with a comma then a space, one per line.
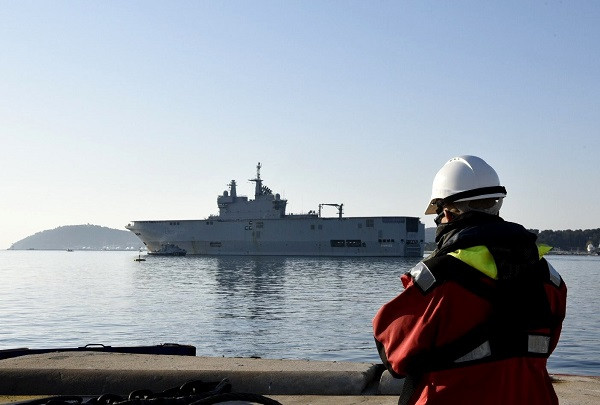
262, 227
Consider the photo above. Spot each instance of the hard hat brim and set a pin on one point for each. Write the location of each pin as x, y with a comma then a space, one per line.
432, 207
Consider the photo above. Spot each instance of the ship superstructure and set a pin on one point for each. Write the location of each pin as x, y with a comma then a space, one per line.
262, 227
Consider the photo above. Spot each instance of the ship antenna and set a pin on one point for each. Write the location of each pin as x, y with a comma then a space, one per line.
258, 181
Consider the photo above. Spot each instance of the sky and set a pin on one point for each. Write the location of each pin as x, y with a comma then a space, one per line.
114, 111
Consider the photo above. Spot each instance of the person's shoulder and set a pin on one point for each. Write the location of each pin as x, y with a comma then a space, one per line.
433, 271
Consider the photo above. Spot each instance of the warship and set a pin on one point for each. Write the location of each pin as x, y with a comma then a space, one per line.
261, 227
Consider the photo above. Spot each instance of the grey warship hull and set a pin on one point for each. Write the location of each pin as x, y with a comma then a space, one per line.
360, 236
261, 227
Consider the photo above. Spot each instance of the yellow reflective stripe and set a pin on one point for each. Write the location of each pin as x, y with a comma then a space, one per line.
543, 249
478, 257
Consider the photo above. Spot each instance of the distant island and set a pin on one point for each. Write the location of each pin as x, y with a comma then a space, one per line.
80, 237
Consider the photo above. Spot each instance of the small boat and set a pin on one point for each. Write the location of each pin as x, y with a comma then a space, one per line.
168, 250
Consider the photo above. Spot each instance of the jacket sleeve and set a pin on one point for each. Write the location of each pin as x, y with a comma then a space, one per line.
404, 328
408, 328
557, 298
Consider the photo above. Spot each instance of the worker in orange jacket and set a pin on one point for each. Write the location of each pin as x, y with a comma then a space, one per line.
478, 318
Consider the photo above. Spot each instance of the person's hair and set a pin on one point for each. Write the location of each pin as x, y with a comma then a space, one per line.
487, 205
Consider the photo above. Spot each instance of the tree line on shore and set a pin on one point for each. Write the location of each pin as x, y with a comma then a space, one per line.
569, 240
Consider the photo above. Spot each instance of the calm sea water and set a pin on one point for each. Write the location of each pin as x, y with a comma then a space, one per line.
270, 307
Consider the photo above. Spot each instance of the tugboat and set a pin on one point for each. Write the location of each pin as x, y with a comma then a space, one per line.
168, 250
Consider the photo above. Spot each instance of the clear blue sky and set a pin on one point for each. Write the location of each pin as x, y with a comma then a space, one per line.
112, 111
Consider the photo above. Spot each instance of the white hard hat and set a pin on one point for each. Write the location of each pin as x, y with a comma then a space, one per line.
464, 178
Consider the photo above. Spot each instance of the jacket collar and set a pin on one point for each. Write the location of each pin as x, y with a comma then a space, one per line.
476, 228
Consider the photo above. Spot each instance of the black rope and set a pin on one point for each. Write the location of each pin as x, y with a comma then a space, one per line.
191, 393
237, 396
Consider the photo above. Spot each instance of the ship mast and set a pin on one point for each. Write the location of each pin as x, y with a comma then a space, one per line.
258, 181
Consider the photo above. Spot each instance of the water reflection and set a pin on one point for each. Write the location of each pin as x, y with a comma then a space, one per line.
298, 307
249, 297
254, 276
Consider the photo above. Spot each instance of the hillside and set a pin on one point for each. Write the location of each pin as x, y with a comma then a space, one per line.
80, 237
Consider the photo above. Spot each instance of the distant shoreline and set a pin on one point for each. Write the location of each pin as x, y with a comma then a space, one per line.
76, 250
573, 253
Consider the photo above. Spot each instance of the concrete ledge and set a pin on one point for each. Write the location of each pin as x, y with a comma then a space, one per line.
389, 385
289, 381
577, 390
94, 373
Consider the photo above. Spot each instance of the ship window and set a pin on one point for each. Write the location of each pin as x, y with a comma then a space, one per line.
370, 223
312, 227
412, 224
337, 243
354, 243
320, 226
259, 224
359, 225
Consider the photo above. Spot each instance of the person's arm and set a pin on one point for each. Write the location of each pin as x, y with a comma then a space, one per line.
413, 325
404, 328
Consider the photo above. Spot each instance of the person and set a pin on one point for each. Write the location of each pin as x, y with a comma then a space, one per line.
479, 317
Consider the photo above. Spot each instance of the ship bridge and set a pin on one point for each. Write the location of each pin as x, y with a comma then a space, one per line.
265, 204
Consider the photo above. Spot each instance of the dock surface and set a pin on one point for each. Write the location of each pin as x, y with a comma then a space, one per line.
287, 381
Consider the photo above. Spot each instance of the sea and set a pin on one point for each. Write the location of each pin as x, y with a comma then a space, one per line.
268, 307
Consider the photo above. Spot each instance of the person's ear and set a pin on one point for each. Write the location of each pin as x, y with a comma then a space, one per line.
450, 216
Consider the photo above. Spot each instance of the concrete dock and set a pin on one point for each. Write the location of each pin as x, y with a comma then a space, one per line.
287, 381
